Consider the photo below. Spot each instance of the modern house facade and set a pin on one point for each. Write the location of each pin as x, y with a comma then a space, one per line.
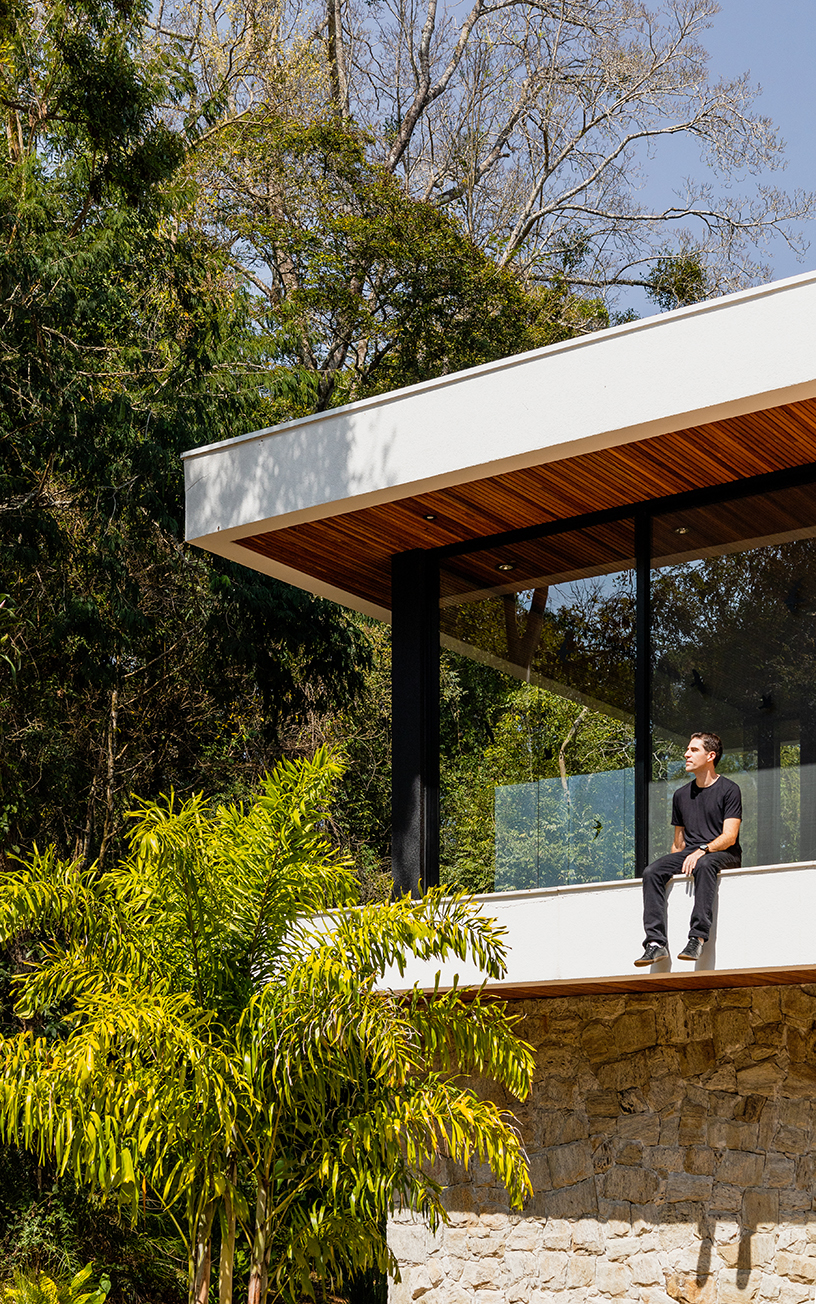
602, 546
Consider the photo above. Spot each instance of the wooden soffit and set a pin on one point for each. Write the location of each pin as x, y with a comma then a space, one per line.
352, 552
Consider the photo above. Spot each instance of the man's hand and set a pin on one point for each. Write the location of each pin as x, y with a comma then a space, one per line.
691, 860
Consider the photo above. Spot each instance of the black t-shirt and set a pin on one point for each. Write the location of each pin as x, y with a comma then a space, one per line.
703, 811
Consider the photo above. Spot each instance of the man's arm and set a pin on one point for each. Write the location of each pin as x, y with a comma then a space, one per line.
722, 842
679, 839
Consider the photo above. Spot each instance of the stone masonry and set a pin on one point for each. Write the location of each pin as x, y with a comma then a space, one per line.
671, 1145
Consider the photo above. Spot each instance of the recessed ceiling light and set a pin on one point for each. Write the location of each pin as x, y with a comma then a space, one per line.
681, 529
429, 516
506, 566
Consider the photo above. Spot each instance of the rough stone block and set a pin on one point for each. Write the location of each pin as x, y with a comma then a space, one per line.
622, 1249
798, 1005
769, 1288
699, 1159
779, 1171
556, 1234
728, 1135
587, 1236
732, 1031
421, 1283
736, 1286
411, 1243
646, 1270
570, 1164
693, 1129
640, 1127
597, 1042
628, 1153
552, 1268
604, 1103
581, 1270
798, 1266
760, 1210
689, 1288
635, 1030
741, 1168
760, 1078
791, 1140
727, 1199
616, 1216
696, 1057
520, 1265
723, 1077
688, 1186
573, 1201
792, 1292
480, 1272
766, 1004
559, 1128
636, 1185
612, 1278
525, 1235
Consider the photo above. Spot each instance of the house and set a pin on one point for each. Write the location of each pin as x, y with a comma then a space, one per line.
613, 543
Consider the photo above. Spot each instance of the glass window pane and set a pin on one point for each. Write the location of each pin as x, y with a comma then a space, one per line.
537, 712
734, 652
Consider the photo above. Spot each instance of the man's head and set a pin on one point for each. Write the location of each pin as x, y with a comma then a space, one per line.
704, 749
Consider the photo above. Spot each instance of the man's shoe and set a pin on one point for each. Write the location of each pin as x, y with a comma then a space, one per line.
652, 953
693, 949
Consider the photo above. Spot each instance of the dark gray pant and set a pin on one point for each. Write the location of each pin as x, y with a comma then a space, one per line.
655, 879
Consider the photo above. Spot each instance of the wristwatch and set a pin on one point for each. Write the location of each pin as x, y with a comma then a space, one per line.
704, 848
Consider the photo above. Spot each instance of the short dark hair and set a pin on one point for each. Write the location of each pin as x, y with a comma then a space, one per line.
712, 743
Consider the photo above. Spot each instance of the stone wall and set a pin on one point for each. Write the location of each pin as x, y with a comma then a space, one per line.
670, 1138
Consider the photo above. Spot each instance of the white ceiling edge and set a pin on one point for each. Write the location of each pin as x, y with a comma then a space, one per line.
722, 358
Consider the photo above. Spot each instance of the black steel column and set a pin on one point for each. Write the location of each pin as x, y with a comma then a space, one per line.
643, 723
414, 722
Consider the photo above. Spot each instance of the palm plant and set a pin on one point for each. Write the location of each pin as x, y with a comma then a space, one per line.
224, 1040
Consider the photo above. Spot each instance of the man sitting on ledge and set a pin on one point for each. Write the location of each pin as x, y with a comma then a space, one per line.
706, 815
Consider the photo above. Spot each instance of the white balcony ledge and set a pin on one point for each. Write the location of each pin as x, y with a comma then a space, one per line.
584, 938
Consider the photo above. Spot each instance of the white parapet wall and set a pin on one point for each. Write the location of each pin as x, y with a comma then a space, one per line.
764, 919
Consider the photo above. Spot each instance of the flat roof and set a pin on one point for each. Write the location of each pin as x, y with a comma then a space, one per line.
706, 395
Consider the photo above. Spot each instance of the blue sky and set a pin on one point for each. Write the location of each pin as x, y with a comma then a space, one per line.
776, 42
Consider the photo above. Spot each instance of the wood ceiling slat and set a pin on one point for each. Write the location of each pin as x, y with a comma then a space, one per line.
353, 552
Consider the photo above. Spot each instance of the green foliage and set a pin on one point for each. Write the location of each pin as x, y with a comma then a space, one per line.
126, 340
676, 280
214, 1046
365, 288
41, 1289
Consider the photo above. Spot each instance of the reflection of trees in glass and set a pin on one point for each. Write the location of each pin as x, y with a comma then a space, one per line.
579, 634
498, 733
734, 640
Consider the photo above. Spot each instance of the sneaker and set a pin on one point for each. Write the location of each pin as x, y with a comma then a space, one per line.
652, 953
693, 949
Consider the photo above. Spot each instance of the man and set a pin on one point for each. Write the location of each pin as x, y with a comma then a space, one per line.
706, 815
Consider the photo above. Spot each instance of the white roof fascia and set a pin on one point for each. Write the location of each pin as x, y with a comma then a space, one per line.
726, 357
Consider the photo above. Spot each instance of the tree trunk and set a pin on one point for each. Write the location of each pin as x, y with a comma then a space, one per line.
202, 1256
113, 731
522, 648
259, 1265
226, 1265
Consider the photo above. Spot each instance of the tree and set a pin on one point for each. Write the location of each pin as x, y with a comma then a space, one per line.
125, 340
241, 1061
530, 122
359, 287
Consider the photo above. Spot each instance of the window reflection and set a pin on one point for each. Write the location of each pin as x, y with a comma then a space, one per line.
734, 650
538, 712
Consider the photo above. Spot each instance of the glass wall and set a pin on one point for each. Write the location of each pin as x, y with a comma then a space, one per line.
537, 711
538, 689
733, 649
